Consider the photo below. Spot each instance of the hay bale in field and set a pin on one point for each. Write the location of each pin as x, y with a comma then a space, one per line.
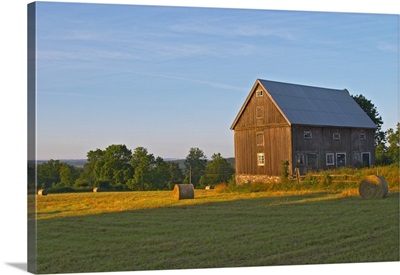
96, 190
373, 187
42, 192
184, 191
208, 187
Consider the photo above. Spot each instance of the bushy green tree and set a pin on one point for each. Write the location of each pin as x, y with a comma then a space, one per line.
116, 167
388, 152
161, 175
393, 144
381, 157
218, 170
68, 174
195, 164
110, 165
56, 173
48, 173
142, 163
89, 176
371, 110
175, 173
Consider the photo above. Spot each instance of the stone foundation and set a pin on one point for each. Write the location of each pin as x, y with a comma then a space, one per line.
246, 179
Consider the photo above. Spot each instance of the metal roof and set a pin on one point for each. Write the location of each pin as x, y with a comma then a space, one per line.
314, 106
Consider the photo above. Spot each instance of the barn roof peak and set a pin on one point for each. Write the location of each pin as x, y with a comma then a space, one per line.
314, 106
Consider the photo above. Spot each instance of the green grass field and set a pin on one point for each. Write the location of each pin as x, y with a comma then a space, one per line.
94, 232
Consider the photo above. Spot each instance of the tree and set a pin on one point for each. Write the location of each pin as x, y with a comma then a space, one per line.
110, 167
393, 150
175, 173
370, 109
116, 167
142, 163
218, 170
48, 173
195, 164
381, 157
161, 175
89, 177
56, 173
68, 174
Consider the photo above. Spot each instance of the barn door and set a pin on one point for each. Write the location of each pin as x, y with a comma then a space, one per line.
312, 162
366, 159
340, 159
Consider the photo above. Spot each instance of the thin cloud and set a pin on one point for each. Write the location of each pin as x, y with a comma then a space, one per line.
74, 94
388, 47
233, 29
84, 54
213, 84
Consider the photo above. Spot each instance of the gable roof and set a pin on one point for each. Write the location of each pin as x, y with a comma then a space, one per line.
314, 106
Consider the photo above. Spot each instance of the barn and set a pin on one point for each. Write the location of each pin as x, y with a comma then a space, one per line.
313, 128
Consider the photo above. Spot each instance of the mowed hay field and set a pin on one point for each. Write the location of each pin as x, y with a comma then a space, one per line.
94, 232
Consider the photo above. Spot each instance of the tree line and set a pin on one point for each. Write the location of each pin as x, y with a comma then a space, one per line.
118, 168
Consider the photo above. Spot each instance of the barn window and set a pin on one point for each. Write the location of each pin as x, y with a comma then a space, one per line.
260, 139
259, 94
366, 159
363, 136
330, 159
307, 134
260, 112
336, 136
260, 159
300, 159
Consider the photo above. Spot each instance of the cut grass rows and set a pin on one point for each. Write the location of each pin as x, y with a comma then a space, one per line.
213, 230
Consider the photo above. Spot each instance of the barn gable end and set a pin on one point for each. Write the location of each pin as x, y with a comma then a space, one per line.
257, 126
259, 110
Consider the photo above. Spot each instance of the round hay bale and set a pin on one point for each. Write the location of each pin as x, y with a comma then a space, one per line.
96, 190
184, 191
42, 192
373, 187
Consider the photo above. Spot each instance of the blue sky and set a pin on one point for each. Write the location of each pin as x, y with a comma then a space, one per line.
170, 78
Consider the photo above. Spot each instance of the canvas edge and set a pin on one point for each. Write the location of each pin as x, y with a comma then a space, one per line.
31, 131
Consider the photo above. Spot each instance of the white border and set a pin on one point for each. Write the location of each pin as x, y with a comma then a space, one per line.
13, 122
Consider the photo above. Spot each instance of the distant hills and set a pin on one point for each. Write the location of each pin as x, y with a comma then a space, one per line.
72, 162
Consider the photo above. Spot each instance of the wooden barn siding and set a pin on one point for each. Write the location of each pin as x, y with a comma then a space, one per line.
270, 114
322, 142
261, 116
367, 145
277, 148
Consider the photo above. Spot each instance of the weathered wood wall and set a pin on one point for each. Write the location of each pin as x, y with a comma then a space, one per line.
276, 148
261, 129
323, 142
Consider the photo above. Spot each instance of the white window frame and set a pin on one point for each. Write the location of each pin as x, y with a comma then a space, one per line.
307, 134
332, 155
259, 93
336, 136
260, 159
